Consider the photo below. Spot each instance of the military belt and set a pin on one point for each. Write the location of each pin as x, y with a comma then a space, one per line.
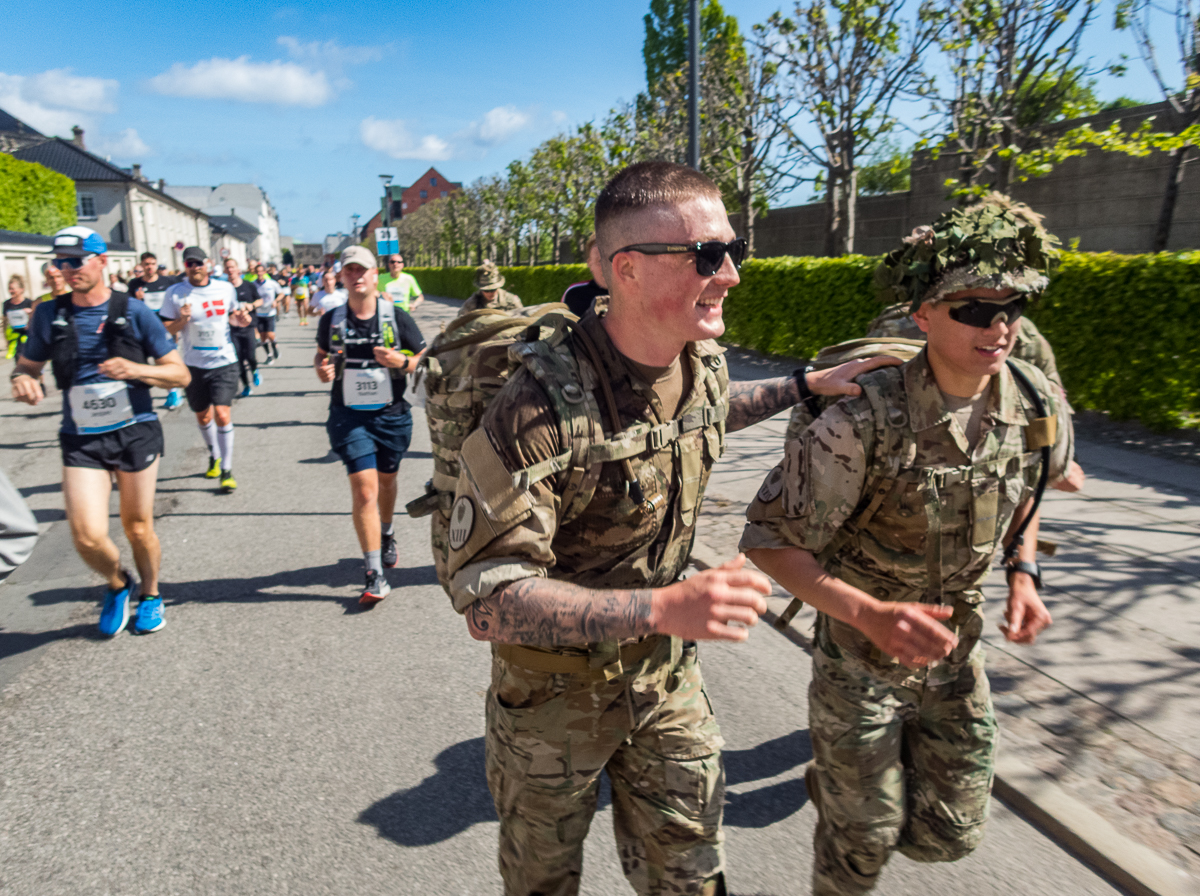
559, 664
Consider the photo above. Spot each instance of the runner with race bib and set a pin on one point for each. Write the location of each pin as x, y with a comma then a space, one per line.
197, 313
364, 348
100, 342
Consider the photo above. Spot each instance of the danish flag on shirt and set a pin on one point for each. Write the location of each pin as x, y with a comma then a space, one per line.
213, 308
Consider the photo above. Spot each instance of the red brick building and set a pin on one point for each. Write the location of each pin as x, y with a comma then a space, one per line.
429, 186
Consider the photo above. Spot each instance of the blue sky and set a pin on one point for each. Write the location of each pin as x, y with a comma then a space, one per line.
313, 102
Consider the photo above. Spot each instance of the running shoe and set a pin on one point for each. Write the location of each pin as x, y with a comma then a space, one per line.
114, 616
269, 361
389, 550
376, 590
246, 392
214, 468
149, 615
228, 483
257, 379
173, 400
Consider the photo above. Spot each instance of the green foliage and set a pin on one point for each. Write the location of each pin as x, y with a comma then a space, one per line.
665, 48
1126, 333
34, 199
1125, 328
888, 169
535, 285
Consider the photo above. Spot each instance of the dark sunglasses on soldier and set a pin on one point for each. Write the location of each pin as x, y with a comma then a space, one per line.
980, 314
709, 256
73, 263
193, 263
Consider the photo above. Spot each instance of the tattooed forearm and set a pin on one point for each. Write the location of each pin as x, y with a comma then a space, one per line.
755, 401
547, 612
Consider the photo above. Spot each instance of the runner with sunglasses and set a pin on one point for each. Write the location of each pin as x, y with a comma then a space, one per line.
886, 514
100, 353
197, 312
574, 575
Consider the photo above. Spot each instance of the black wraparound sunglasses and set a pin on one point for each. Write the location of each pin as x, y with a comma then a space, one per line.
709, 256
72, 262
981, 314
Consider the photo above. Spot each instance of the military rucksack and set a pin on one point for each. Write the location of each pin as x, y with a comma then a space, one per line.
472, 359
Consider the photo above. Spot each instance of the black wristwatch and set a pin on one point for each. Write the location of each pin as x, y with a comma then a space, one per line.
806, 395
1031, 569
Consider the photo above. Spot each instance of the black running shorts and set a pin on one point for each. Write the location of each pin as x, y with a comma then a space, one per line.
130, 449
217, 385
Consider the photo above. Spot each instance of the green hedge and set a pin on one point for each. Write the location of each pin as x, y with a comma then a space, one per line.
34, 199
1125, 328
535, 285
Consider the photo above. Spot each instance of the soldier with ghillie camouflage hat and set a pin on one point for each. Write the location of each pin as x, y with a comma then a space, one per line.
488, 292
886, 514
574, 517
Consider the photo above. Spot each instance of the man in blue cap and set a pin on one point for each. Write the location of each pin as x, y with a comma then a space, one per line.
100, 343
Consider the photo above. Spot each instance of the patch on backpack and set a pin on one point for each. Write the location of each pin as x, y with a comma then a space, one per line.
772, 486
462, 521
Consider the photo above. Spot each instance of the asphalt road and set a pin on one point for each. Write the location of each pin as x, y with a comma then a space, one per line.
273, 739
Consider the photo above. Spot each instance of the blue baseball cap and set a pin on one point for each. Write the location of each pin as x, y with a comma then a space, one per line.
79, 241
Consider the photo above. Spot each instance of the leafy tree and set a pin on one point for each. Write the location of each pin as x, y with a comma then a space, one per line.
846, 64
888, 169
1182, 97
665, 48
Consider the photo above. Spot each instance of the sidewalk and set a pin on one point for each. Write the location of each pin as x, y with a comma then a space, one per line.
1107, 703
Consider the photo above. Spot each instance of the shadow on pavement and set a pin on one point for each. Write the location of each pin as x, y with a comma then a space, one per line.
767, 805
455, 798
13, 643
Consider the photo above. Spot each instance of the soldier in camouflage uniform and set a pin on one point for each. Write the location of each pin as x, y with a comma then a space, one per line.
575, 513
885, 515
488, 293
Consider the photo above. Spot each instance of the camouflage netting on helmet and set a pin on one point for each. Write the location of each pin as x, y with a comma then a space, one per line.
994, 243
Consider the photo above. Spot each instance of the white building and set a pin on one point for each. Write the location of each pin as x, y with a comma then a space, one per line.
245, 201
25, 253
129, 212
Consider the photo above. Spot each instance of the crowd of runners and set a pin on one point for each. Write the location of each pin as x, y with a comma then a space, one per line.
561, 524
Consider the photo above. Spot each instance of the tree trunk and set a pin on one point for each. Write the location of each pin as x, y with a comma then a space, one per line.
833, 213
554, 251
746, 190
849, 216
1162, 233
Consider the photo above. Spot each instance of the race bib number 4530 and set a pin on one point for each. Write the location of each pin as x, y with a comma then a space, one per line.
100, 407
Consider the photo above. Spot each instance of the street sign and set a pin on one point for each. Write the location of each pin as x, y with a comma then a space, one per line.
179, 244
387, 241
224, 253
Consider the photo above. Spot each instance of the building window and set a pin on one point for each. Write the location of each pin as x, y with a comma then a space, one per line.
403, 205
424, 194
433, 181
443, 194
120, 231
87, 206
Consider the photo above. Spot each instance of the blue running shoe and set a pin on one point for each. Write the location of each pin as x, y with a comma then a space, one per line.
173, 400
257, 379
246, 392
149, 615
115, 614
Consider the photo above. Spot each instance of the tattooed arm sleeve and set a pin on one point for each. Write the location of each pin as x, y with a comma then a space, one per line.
548, 612
755, 401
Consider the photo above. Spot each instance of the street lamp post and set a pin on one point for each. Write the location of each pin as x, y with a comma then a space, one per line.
694, 83
387, 199
354, 228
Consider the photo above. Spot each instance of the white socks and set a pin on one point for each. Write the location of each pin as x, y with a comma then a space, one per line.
210, 437
225, 445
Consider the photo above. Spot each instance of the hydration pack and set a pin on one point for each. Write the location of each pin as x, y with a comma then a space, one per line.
119, 339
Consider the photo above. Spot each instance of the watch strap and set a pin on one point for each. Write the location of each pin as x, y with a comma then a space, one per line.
1031, 569
806, 394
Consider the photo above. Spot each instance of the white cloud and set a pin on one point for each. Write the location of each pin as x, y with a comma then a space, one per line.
329, 56
498, 125
54, 100
392, 136
125, 146
284, 83
558, 116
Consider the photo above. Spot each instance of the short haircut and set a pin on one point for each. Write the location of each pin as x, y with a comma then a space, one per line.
146, 255
643, 186
17, 279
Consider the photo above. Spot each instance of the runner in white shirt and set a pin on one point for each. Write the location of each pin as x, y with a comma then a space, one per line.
269, 291
196, 312
329, 296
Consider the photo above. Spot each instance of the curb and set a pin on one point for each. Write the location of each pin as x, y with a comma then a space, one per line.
1076, 828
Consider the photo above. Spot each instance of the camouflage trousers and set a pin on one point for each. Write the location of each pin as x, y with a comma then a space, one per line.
900, 766
652, 729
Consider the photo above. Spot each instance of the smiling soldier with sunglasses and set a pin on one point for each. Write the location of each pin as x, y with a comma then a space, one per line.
573, 520
886, 514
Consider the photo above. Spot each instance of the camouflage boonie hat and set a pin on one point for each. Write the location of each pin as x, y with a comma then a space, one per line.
488, 276
993, 243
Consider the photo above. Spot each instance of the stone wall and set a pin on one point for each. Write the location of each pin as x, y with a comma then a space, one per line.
1108, 201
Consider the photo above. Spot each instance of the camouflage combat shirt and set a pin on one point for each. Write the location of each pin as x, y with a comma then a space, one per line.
613, 543
504, 301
